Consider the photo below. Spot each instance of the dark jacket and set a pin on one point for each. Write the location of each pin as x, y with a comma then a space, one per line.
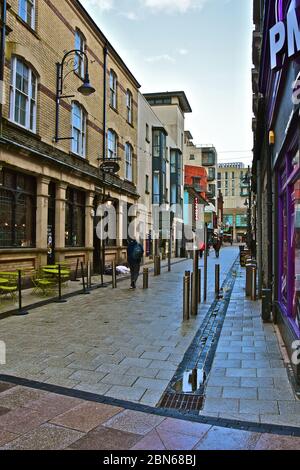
130, 250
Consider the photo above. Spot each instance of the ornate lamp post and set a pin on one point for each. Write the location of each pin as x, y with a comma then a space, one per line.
86, 89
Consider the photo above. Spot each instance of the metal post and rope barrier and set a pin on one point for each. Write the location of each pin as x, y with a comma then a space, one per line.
85, 290
60, 299
114, 275
21, 311
195, 284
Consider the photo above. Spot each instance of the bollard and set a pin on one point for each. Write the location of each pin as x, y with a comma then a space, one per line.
21, 311
205, 262
195, 281
217, 280
159, 265
254, 283
146, 278
76, 271
85, 291
60, 300
155, 266
169, 261
186, 297
89, 275
199, 286
114, 275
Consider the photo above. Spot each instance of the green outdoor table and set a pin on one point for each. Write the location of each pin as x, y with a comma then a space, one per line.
3, 281
9, 273
56, 271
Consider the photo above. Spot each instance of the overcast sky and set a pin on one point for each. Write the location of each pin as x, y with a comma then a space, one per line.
200, 46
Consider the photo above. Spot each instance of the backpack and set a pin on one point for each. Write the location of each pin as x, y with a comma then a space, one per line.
137, 253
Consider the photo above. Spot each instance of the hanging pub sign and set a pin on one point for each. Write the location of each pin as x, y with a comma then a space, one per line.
110, 166
285, 37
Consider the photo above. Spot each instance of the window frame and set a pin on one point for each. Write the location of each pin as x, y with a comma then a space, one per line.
82, 130
113, 89
80, 68
113, 151
128, 162
28, 96
33, 20
129, 106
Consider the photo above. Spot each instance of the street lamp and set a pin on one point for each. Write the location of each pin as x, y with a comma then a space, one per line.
86, 89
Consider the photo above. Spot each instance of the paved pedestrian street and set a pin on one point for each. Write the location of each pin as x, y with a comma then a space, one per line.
117, 343
125, 345
33, 419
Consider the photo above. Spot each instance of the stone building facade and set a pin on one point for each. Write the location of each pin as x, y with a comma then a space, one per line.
50, 190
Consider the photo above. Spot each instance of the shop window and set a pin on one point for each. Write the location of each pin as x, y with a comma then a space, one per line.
17, 210
75, 218
23, 95
296, 249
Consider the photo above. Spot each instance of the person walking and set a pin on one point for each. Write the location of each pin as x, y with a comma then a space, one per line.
217, 246
135, 254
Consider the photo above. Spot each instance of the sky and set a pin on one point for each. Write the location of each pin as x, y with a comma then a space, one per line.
202, 47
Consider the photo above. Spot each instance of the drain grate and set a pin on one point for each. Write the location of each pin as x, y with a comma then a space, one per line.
182, 401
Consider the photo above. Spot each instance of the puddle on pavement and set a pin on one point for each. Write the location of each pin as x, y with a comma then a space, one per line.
191, 381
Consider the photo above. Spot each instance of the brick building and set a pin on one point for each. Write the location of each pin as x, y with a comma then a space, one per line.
49, 189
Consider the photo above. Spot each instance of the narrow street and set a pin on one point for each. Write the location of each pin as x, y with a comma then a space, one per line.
126, 346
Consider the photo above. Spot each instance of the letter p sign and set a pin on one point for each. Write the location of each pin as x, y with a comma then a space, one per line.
277, 42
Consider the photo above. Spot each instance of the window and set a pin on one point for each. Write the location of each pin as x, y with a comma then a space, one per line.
147, 133
79, 61
27, 12
17, 210
173, 162
156, 191
156, 144
129, 106
78, 130
113, 89
75, 218
173, 194
23, 94
128, 162
192, 157
112, 145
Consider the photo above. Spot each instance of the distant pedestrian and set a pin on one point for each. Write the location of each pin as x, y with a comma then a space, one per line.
135, 254
217, 246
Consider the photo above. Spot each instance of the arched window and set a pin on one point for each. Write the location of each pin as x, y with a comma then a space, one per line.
129, 106
78, 129
113, 89
80, 45
112, 144
23, 95
27, 12
128, 161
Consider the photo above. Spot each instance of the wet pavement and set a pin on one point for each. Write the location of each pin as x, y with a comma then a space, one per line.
117, 343
33, 419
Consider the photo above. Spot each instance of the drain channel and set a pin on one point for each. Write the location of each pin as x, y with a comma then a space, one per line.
185, 392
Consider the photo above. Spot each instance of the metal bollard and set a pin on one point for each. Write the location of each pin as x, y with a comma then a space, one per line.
146, 278
199, 286
169, 261
85, 291
194, 309
60, 300
217, 280
21, 311
76, 271
159, 265
254, 283
186, 297
114, 275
